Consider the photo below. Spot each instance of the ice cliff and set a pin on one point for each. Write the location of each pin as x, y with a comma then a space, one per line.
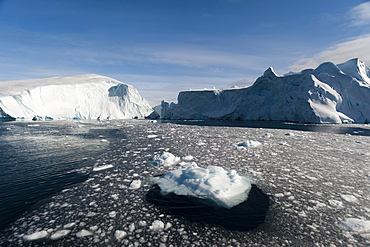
77, 97
328, 94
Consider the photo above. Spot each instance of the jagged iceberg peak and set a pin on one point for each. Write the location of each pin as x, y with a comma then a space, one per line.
328, 94
356, 69
77, 97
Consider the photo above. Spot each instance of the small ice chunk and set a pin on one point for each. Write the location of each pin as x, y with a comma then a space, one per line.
152, 136
112, 214
157, 226
267, 135
335, 203
83, 233
35, 236
356, 225
187, 158
59, 234
100, 168
349, 198
249, 144
119, 234
226, 189
135, 184
69, 225
165, 159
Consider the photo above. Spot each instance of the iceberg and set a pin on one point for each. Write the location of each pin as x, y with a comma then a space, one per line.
77, 97
212, 184
328, 94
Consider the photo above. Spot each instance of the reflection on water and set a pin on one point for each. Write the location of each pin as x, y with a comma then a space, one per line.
39, 159
352, 129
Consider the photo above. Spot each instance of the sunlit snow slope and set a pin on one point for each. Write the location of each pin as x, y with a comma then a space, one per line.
328, 94
79, 97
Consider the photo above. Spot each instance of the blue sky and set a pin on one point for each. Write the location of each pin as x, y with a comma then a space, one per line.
164, 46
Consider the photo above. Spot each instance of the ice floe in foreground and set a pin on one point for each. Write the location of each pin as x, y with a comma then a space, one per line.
226, 189
357, 226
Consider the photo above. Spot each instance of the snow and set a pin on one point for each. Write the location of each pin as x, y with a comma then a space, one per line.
225, 189
77, 97
328, 94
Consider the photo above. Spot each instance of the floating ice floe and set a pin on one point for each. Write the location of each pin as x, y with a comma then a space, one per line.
349, 198
356, 225
35, 236
119, 234
100, 168
165, 159
59, 234
135, 184
248, 144
157, 226
83, 233
267, 135
214, 184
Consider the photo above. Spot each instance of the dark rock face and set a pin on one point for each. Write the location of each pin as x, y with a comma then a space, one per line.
245, 216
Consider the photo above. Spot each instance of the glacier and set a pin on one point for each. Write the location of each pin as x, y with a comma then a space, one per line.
77, 97
328, 94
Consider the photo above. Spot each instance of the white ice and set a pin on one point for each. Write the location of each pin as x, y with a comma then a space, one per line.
135, 184
100, 168
83, 233
165, 159
226, 189
356, 225
328, 94
35, 236
77, 97
156, 226
249, 144
59, 234
119, 234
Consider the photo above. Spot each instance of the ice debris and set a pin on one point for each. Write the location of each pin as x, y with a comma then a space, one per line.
226, 189
100, 168
165, 159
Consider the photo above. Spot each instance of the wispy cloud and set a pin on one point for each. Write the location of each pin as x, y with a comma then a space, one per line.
357, 47
360, 14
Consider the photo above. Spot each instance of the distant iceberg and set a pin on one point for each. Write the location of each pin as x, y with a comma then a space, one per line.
328, 94
77, 97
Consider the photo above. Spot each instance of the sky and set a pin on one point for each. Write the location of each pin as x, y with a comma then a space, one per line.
162, 47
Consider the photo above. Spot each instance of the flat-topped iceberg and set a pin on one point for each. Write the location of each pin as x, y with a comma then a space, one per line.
328, 94
213, 184
77, 97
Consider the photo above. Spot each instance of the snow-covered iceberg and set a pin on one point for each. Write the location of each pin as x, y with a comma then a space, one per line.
77, 97
213, 184
328, 94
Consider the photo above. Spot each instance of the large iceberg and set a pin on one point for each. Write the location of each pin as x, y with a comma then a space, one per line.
77, 97
328, 94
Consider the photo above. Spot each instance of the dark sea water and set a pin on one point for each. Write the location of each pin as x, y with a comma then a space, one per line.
67, 183
39, 159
